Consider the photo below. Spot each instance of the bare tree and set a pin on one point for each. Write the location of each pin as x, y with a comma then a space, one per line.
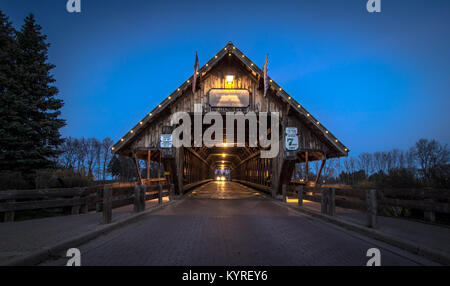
93, 147
430, 155
350, 164
382, 162
410, 159
106, 154
80, 154
394, 159
366, 162
67, 158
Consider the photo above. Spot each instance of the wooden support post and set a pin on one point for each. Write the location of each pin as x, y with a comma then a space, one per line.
149, 160
371, 202
307, 167
177, 170
99, 203
84, 208
300, 195
281, 174
138, 170
160, 189
159, 165
283, 192
324, 159
139, 198
171, 192
75, 209
331, 202
9, 216
429, 215
324, 201
143, 194
107, 204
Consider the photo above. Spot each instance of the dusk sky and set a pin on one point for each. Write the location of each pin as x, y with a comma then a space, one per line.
376, 80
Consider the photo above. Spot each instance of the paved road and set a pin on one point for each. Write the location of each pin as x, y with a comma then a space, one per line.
224, 223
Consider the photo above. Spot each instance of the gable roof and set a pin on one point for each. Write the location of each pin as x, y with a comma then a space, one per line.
231, 49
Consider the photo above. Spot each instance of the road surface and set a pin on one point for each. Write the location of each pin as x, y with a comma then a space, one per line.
225, 223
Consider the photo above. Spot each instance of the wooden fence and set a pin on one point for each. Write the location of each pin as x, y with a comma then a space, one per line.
372, 202
83, 200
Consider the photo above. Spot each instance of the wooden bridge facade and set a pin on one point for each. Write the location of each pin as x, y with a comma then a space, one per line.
188, 165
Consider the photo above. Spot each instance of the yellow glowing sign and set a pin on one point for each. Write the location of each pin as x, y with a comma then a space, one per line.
229, 97
230, 79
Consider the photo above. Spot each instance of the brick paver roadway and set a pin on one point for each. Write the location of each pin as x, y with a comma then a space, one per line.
225, 223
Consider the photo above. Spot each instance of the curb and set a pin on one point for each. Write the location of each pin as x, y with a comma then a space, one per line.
378, 235
43, 254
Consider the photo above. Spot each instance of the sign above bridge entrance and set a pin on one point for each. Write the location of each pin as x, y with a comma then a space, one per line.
291, 130
291, 142
229, 98
166, 141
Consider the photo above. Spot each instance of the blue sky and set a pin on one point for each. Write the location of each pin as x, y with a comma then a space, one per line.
377, 81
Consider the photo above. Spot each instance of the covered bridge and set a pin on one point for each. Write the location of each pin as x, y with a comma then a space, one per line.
230, 82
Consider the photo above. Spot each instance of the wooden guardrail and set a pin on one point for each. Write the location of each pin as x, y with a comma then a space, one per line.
21, 200
191, 186
138, 194
78, 200
122, 193
261, 188
371, 201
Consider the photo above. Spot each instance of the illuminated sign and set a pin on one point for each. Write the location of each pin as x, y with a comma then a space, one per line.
229, 98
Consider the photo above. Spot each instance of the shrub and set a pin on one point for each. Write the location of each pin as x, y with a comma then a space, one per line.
13, 181
60, 178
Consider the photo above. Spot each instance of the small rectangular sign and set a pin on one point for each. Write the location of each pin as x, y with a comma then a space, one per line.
166, 141
291, 142
291, 130
229, 97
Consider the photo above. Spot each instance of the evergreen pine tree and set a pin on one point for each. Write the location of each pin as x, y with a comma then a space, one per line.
114, 167
36, 107
10, 117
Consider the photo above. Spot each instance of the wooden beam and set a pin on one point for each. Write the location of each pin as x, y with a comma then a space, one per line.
198, 156
177, 172
107, 204
307, 166
324, 159
248, 158
159, 164
149, 155
283, 171
138, 170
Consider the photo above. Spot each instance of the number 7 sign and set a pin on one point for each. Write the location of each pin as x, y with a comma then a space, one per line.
291, 142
